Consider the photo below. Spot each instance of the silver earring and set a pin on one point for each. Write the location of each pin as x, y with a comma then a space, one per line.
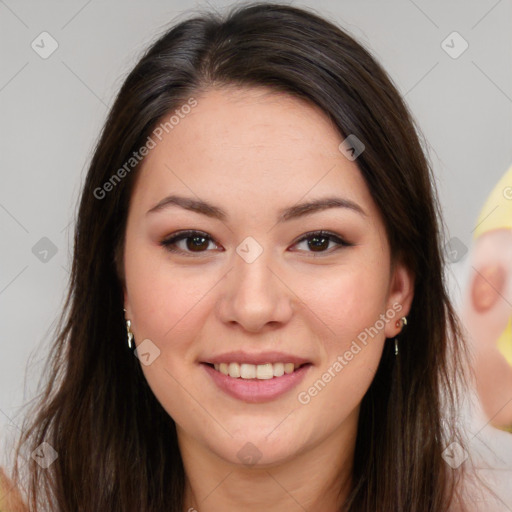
129, 332
399, 323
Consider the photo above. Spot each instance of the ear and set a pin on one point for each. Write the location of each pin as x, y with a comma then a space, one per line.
400, 295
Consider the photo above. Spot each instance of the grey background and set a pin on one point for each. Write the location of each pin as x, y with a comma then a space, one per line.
52, 111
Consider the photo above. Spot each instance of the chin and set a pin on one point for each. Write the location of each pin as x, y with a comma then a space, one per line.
255, 447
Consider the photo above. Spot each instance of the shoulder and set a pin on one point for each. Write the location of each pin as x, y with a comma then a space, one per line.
10, 497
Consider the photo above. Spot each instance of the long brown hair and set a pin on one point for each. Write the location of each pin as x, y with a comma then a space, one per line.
117, 447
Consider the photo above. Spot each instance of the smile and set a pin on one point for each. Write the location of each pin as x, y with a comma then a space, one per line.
256, 383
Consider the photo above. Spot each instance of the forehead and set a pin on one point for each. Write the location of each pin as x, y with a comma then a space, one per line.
256, 145
247, 115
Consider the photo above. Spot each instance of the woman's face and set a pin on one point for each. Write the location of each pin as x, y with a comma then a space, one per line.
255, 285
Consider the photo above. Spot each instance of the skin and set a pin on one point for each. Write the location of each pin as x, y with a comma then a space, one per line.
253, 152
10, 497
486, 311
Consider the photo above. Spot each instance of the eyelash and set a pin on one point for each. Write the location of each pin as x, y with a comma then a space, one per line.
170, 242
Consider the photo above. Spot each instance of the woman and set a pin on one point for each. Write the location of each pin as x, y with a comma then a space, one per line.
256, 317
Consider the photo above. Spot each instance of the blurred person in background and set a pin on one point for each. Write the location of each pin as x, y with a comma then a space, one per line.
487, 308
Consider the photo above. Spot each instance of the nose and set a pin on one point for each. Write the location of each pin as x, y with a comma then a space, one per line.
255, 296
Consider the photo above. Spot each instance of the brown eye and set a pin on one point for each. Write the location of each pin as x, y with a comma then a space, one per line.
320, 241
197, 243
187, 242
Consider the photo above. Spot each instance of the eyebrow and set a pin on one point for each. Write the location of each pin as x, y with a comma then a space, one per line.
285, 214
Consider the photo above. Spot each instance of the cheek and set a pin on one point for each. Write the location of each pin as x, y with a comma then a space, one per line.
163, 300
347, 307
347, 299
351, 306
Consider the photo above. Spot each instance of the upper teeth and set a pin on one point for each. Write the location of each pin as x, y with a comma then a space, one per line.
255, 371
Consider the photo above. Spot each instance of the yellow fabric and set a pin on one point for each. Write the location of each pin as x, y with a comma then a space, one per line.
497, 210
504, 342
